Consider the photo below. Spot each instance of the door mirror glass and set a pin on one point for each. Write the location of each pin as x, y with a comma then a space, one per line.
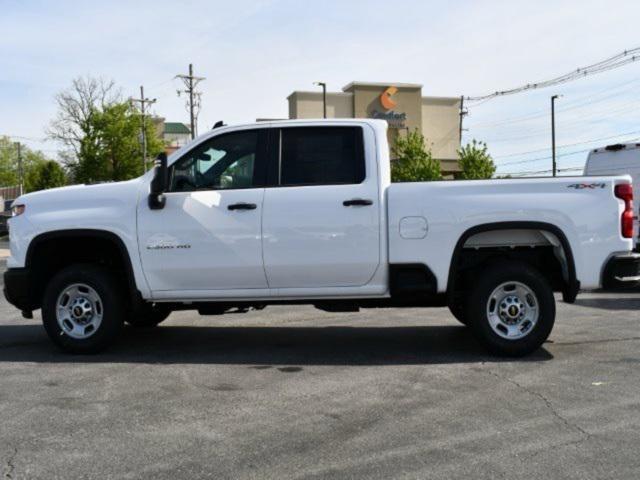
158, 183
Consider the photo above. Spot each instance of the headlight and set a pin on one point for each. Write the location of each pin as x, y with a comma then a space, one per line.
17, 209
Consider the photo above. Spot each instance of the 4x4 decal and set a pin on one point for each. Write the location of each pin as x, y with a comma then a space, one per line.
582, 186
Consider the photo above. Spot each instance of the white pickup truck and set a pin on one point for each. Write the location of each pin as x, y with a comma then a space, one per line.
304, 212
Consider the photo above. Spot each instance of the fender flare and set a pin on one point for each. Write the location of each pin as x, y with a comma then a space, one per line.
90, 233
572, 285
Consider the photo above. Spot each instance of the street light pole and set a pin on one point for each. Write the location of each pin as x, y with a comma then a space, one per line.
553, 134
324, 97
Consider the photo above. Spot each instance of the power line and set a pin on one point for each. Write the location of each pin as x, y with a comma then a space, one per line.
566, 145
539, 172
49, 150
538, 159
574, 124
22, 137
568, 106
631, 105
157, 85
616, 61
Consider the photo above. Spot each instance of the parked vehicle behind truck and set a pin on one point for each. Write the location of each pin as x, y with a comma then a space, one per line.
617, 159
304, 212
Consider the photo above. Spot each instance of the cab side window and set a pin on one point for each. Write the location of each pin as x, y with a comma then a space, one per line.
227, 161
321, 156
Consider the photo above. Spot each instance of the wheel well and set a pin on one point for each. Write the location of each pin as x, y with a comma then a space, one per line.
51, 252
542, 246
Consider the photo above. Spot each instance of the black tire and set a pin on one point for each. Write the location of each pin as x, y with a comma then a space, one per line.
495, 276
149, 315
111, 307
458, 311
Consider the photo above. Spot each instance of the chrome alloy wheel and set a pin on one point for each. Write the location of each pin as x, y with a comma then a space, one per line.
79, 311
512, 310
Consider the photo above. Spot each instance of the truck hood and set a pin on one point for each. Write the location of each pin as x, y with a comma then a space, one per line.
80, 196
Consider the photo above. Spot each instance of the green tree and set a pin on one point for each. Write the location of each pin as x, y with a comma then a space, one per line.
413, 160
475, 162
8, 162
102, 132
113, 150
32, 162
43, 175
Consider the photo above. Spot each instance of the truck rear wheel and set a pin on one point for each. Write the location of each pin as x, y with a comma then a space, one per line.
511, 309
83, 309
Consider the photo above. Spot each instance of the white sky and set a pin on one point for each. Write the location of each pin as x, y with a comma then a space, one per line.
254, 53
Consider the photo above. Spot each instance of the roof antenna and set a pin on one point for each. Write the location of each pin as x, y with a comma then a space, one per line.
219, 124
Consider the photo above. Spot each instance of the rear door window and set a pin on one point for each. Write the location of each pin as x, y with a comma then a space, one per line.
321, 156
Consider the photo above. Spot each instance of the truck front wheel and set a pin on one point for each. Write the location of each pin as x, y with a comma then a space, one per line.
83, 309
511, 309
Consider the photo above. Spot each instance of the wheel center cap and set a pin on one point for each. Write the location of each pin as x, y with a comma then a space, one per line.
511, 309
81, 309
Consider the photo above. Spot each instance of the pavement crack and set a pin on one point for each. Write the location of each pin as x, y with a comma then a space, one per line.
10, 466
546, 402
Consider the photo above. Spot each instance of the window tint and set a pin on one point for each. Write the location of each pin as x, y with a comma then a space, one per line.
223, 162
321, 156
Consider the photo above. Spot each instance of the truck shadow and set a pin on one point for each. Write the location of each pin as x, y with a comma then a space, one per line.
265, 346
612, 303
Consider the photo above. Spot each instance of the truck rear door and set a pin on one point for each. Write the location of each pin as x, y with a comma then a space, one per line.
321, 217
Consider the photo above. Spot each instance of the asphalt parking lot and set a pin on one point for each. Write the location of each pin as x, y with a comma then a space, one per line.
292, 392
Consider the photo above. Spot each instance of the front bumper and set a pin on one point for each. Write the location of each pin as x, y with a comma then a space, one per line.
18, 289
622, 270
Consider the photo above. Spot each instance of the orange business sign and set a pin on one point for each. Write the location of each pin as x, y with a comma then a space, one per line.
394, 119
386, 100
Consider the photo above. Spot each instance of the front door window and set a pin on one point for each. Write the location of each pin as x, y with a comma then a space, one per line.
223, 162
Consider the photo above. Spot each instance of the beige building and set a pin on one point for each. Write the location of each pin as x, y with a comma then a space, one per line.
401, 104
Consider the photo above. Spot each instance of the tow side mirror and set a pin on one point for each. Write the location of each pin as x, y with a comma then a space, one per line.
159, 183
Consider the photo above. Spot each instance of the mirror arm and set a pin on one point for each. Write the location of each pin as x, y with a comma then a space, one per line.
157, 201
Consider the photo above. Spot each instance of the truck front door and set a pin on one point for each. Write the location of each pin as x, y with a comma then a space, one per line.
208, 237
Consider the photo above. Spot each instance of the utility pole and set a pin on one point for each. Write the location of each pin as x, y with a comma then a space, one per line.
324, 97
553, 134
463, 112
190, 83
143, 102
20, 173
